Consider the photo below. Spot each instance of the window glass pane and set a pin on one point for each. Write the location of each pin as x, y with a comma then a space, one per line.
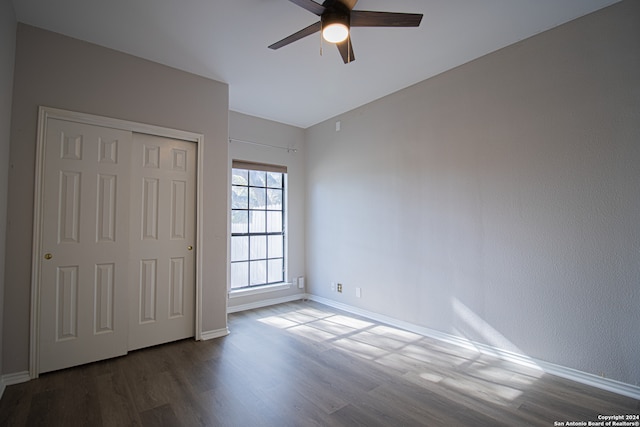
239, 248
240, 176
257, 178
274, 222
274, 199
275, 271
258, 247
239, 274
239, 221
257, 221
258, 275
257, 198
276, 246
274, 179
239, 197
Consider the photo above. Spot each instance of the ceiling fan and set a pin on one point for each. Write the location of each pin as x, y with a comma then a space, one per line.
336, 19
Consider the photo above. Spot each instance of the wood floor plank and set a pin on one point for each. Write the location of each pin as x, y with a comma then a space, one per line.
236, 405
306, 364
45, 409
161, 416
353, 415
493, 409
293, 408
184, 402
116, 402
15, 404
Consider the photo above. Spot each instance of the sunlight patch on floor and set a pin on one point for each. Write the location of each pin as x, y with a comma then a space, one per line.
295, 316
487, 392
401, 363
374, 339
423, 354
430, 376
361, 349
396, 334
332, 327
311, 333
350, 321
278, 322
478, 375
318, 314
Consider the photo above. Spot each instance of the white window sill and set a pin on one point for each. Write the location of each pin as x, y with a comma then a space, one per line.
236, 293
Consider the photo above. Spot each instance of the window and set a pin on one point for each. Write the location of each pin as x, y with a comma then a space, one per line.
257, 224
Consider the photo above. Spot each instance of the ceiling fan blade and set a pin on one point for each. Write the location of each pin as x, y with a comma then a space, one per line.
349, 3
310, 5
365, 18
313, 28
346, 50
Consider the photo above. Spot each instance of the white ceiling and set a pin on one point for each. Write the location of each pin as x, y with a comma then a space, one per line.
227, 40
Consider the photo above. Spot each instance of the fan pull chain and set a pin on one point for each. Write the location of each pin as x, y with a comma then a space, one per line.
321, 44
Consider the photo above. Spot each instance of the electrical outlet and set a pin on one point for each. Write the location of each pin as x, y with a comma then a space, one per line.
340, 287
333, 286
358, 292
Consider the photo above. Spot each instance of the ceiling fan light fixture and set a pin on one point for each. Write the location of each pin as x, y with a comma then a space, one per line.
336, 32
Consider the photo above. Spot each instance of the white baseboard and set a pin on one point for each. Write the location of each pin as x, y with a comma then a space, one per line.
11, 379
209, 335
614, 386
16, 378
265, 303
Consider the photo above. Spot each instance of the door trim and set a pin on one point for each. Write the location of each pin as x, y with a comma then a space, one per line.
45, 113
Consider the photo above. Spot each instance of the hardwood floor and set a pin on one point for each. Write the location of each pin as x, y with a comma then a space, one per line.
305, 364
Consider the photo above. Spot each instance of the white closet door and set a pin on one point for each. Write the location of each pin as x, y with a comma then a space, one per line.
84, 281
162, 240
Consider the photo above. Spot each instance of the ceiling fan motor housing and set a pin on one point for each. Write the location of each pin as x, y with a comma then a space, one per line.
335, 13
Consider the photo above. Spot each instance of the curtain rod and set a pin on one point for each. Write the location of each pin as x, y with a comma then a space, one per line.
289, 150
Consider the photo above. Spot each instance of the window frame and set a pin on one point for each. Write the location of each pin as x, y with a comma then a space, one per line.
266, 233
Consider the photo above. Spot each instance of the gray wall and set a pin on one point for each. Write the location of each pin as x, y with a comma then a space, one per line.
248, 128
57, 71
7, 55
498, 201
